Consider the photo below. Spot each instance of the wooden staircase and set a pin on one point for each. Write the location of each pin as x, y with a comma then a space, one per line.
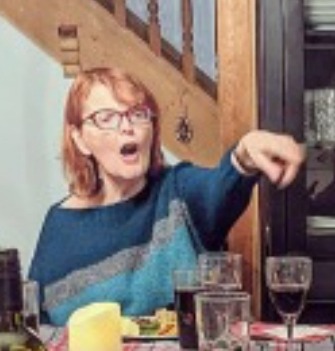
195, 125
103, 42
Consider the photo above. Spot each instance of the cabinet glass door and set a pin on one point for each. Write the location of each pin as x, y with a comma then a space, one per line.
319, 132
297, 96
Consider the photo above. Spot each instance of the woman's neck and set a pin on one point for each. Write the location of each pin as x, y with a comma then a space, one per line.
118, 190
112, 191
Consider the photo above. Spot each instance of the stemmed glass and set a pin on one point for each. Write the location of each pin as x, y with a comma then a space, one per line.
288, 279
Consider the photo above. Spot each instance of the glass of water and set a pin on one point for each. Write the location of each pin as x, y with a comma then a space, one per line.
31, 299
223, 319
220, 270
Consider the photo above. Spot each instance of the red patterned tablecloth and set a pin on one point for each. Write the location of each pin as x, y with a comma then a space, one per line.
56, 340
261, 333
152, 346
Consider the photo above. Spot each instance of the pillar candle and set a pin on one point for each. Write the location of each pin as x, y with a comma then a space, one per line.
96, 327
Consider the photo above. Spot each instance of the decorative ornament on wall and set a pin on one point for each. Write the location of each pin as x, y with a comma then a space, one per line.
184, 130
69, 46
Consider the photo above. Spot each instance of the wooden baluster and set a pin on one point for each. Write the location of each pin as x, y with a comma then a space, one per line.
187, 54
69, 47
120, 11
154, 27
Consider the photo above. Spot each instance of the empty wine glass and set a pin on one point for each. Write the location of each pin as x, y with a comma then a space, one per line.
288, 279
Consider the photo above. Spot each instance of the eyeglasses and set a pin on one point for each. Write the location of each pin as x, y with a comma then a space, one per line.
112, 119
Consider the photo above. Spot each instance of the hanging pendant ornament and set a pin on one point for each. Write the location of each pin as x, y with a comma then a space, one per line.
184, 130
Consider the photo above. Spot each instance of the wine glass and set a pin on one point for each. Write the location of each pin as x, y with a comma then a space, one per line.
288, 279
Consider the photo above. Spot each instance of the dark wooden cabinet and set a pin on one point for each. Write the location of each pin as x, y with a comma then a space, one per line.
296, 65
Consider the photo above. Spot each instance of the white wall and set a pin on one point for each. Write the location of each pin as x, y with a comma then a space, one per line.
32, 96
32, 90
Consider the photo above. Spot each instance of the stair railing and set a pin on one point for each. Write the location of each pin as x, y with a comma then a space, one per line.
150, 32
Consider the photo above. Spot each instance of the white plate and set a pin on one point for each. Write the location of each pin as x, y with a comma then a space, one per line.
321, 19
321, 222
309, 11
316, 8
324, 27
318, 3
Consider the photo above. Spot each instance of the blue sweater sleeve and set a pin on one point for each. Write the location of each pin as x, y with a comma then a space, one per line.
215, 198
40, 265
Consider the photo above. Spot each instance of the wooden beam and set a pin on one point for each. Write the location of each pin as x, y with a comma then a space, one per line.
236, 67
238, 114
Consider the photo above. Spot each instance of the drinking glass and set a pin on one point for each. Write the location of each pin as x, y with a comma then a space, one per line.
221, 270
288, 279
31, 309
186, 285
223, 319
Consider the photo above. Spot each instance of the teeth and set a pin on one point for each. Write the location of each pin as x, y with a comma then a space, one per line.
128, 149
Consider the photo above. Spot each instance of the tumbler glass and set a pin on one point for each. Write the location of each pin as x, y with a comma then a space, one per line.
186, 285
31, 309
223, 320
221, 270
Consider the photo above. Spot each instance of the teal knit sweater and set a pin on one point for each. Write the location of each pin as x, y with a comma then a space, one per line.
126, 252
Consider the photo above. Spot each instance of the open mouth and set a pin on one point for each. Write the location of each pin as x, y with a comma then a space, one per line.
129, 149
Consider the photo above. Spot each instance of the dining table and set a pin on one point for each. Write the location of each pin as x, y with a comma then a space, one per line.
263, 337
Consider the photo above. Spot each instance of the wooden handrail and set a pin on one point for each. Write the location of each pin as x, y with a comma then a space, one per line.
151, 33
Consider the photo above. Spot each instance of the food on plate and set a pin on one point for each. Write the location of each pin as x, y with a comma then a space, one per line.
129, 327
168, 322
148, 325
162, 324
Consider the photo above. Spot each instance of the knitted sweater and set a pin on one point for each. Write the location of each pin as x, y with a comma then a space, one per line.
126, 252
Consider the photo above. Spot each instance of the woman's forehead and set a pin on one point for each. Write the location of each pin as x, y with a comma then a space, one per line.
100, 93
121, 92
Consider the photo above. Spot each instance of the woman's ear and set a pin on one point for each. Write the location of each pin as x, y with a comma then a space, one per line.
79, 142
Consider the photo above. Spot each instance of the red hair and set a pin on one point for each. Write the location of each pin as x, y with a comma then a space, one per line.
81, 171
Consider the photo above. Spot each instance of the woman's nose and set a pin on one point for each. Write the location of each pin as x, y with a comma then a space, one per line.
126, 126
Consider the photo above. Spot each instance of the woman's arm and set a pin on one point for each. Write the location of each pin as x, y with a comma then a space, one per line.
217, 197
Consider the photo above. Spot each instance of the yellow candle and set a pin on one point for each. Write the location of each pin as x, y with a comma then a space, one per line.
96, 327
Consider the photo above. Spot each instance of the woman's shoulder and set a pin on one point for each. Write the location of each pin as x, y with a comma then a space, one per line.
73, 202
65, 206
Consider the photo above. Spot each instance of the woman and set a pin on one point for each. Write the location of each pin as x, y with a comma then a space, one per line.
129, 220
